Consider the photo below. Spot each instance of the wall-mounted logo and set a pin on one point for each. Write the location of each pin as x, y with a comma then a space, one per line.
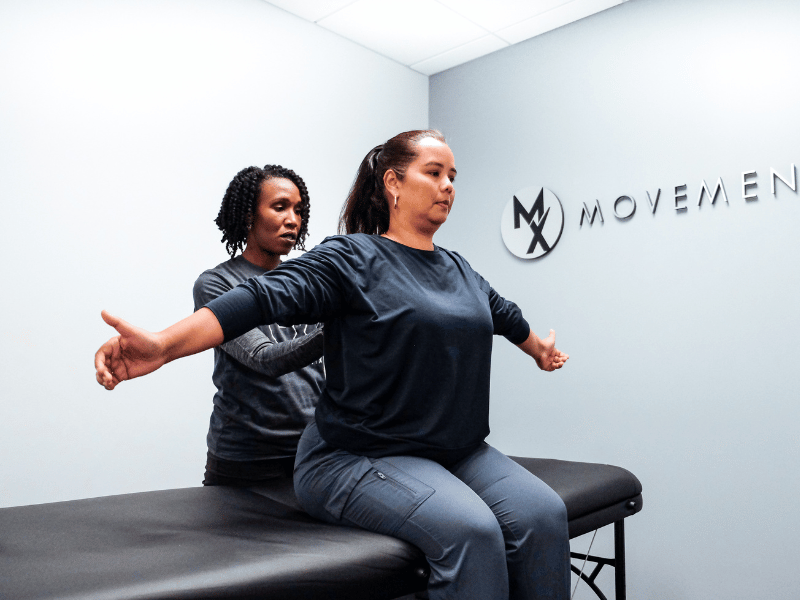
533, 221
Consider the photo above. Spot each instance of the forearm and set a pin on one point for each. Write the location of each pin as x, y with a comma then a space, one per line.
257, 351
196, 333
532, 346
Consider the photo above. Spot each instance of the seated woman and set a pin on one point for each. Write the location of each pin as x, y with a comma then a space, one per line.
397, 445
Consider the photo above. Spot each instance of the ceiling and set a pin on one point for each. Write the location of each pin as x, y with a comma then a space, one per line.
430, 36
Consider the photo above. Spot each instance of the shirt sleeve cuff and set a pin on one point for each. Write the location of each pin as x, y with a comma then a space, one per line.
520, 332
237, 312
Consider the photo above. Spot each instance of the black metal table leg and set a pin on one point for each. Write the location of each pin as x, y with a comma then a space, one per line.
619, 559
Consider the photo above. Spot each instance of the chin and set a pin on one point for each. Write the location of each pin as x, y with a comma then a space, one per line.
435, 224
283, 247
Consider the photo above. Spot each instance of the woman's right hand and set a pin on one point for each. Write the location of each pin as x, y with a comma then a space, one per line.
132, 353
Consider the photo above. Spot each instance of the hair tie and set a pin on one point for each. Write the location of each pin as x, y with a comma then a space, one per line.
373, 157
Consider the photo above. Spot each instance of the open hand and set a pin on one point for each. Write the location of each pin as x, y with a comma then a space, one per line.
547, 356
132, 353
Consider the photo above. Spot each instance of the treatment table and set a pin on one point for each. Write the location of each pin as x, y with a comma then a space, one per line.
256, 543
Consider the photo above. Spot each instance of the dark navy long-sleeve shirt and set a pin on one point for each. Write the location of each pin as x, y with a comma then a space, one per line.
408, 341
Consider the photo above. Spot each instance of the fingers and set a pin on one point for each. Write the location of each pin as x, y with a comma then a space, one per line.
103, 359
109, 318
121, 325
558, 359
108, 381
110, 353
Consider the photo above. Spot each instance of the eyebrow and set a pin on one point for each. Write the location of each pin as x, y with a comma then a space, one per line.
286, 199
433, 163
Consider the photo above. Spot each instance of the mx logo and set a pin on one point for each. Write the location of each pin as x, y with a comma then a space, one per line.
532, 222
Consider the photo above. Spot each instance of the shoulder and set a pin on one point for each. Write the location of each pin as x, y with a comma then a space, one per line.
351, 240
456, 258
225, 276
464, 266
224, 270
348, 248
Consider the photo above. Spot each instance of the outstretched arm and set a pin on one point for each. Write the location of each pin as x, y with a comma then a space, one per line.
544, 351
136, 352
259, 349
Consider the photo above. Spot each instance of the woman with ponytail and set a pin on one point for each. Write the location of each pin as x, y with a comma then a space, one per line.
397, 444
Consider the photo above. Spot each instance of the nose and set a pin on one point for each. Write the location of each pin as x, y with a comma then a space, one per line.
292, 220
448, 188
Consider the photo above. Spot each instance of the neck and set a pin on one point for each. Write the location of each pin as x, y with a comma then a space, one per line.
413, 238
261, 258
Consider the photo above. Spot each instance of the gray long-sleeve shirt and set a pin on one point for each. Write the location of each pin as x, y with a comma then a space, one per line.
268, 379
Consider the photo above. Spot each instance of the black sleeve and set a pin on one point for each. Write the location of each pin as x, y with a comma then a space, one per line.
309, 289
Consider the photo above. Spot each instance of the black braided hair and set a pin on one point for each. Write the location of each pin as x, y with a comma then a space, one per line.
240, 203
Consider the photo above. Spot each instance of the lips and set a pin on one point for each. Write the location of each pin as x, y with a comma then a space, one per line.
289, 237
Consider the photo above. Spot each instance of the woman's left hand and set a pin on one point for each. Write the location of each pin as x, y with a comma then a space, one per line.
544, 352
549, 357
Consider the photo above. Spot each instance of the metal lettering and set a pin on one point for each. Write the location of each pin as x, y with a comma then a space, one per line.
705, 190
595, 211
633, 207
680, 196
746, 184
773, 174
653, 205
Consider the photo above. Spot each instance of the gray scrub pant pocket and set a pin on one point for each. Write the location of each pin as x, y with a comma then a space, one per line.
384, 498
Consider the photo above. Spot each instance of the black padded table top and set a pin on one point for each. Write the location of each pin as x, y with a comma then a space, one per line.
234, 543
192, 543
595, 495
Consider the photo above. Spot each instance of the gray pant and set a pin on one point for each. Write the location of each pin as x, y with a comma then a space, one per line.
489, 529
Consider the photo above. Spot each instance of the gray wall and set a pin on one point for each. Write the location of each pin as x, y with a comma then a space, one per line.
121, 124
681, 326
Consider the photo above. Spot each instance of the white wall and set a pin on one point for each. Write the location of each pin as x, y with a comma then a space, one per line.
682, 326
121, 124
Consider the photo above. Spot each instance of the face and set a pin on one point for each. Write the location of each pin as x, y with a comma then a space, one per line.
277, 220
426, 193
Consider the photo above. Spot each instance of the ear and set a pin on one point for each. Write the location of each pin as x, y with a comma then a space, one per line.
391, 182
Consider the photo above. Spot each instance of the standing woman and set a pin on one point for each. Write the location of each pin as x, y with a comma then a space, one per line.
269, 378
397, 445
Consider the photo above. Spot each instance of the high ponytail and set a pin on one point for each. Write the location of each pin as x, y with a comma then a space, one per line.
366, 209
